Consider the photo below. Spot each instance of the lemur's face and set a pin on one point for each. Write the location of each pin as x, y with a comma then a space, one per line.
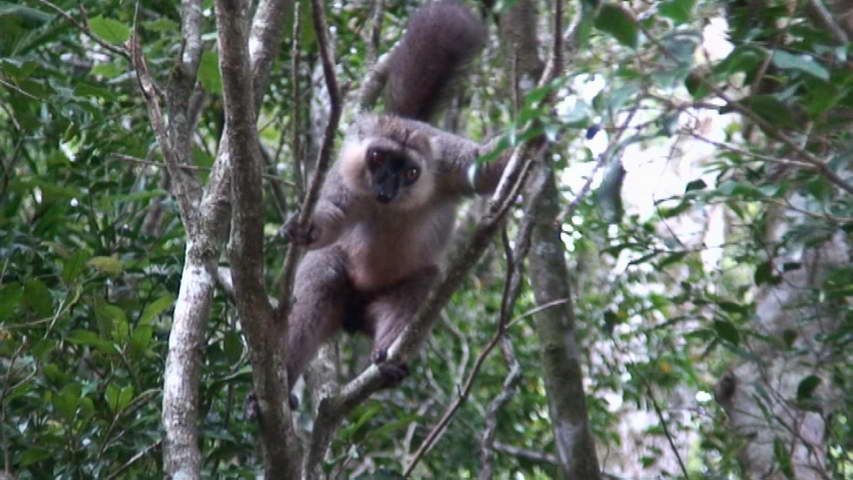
392, 175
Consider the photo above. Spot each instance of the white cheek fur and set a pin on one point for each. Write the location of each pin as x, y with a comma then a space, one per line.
421, 192
352, 166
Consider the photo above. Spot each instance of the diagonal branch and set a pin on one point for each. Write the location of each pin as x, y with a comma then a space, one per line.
86, 30
512, 288
771, 130
333, 409
155, 114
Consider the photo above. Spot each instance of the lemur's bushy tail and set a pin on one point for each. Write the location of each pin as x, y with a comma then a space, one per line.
441, 38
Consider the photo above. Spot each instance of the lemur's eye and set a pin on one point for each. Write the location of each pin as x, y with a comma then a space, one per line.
374, 158
411, 174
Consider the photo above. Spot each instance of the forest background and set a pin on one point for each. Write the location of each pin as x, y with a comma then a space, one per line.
661, 287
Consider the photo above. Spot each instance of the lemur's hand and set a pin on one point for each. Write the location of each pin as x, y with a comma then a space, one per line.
299, 235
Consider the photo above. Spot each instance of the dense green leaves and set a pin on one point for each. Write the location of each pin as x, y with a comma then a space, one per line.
619, 23
695, 218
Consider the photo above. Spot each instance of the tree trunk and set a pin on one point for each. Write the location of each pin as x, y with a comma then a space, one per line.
781, 439
549, 277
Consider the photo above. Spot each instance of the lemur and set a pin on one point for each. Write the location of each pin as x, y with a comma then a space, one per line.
387, 210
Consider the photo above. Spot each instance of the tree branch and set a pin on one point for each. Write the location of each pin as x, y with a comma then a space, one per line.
86, 30
181, 191
281, 458
771, 130
324, 157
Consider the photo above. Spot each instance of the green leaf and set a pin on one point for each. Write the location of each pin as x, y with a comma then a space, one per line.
141, 340
396, 424
118, 398
155, 308
142, 196
619, 23
10, 298
764, 273
682, 207
578, 115
789, 336
614, 99
744, 58
609, 194
17, 69
803, 63
107, 70
671, 259
110, 30
732, 307
678, 10
35, 455
113, 322
695, 85
232, 346
822, 98
65, 402
208, 72
727, 331
353, 431
54, 374
111, 266
29, 17
161, 25
72, 266
770, 109
37, 297
807, 386
783, 458
90, 338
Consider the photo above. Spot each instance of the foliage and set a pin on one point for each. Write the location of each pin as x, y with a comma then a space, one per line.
91, 246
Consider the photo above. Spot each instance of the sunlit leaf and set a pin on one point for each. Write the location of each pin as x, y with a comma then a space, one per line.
803, 63
111, 266
678, 10
110, 29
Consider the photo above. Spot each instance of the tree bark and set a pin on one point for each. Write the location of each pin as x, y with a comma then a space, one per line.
549, 277
206, 221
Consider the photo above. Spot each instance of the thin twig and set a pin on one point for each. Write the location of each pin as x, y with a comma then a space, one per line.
527, 454
377, 9
140, 454
540, 308
746, 153
512, 288
196, 168
19, 90
324, 156
612, 149
295, 119
86, 30
516, 172
821, 166
826, 19
155, 114
666, 432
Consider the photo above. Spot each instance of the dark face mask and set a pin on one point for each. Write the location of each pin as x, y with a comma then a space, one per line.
389, 172
386, 184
